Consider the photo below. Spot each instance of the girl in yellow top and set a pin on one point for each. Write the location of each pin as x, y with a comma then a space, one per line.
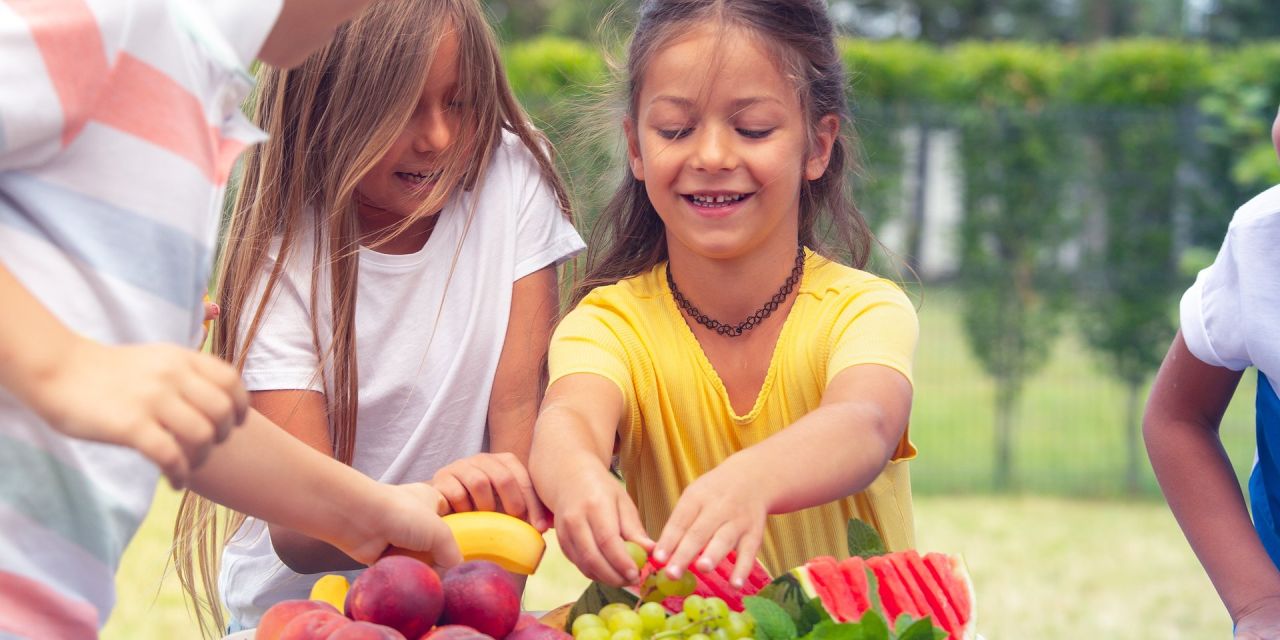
755, 391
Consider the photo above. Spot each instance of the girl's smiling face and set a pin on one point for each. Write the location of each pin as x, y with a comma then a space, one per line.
400, 181
721, 141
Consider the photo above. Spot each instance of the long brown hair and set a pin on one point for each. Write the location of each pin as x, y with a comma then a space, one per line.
628, 238
330, 120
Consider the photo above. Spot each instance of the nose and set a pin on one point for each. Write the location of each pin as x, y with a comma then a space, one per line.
434, 131
714, 150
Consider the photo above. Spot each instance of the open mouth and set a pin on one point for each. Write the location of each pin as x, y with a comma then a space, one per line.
416, 178
717, 200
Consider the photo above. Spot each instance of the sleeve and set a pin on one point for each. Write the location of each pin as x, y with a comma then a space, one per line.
1211, 310
52, 64
281, 355
242, 26
874, 324
593, 339
544, 235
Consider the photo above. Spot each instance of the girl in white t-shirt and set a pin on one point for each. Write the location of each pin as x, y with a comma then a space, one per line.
388, 285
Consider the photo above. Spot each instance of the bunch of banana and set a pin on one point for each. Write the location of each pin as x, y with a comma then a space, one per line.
508, 541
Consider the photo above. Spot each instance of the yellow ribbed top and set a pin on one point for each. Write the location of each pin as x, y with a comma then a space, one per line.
679, 423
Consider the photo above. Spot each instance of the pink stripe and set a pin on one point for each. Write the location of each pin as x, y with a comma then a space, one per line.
31, 609
133, 96
70, 42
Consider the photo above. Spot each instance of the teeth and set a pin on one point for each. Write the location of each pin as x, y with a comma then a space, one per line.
721, 199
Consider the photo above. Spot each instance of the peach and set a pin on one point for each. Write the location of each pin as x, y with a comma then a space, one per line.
281, 613
366, 631
524, 620
455, 632
398, 592
539, 631
313, 625
483, 596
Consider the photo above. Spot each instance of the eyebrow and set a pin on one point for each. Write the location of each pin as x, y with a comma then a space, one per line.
735, 106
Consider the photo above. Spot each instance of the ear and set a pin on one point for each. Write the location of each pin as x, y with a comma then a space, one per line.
824, 139
633, 149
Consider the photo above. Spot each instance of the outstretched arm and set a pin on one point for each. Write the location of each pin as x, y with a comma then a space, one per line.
1181, 431
833, 451
304, 26
572, 446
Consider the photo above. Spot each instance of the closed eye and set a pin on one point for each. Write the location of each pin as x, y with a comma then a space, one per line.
755, 133
673, 134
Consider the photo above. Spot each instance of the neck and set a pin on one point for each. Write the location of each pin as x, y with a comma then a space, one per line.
730, 290
378, 232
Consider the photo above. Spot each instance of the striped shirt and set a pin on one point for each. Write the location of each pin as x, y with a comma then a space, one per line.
119, 124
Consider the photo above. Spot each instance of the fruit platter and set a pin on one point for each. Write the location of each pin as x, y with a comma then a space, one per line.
871, 595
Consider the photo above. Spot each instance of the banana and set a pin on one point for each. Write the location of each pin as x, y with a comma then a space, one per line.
506, 540
331, 588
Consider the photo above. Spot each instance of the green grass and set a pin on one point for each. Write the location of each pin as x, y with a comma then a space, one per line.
1069, 438
1044, 568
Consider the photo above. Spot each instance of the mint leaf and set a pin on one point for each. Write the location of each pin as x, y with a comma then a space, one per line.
902, 623
772, 622
830, 630
919, 630
596, 596
864, 540
874, 626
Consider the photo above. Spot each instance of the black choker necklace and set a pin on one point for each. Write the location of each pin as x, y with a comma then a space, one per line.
756, 318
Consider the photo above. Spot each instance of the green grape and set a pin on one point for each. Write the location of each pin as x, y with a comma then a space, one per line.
625, 634
677, 622
653, 615
741, 625
722, 634
699, 636
592, 633
587, 621
610, 610
626, 619
637, 553
684, 586
695, 607
717, 610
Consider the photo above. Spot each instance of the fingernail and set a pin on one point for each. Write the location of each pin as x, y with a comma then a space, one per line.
737, 584
632, 576
660, 555
704, 564
674, 572
215, 310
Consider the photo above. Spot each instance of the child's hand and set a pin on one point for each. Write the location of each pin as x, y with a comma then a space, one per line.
491, 482
407, 516
1261, 622
593, 524
723, 510
169, 403
211, 313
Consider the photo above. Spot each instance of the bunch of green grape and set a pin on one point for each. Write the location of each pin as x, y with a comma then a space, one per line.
701, 618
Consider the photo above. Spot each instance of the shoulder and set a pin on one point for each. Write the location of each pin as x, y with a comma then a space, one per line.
626, 302
829, 282
1254, 232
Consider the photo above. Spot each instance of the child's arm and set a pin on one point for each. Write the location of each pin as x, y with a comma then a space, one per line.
499, 480
833, 451
1181, 431
170, 404
304, 26
321, 497
572, 445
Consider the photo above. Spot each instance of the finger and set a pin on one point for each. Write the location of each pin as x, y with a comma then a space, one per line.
695, 538
614, 549
211, 310
536, 513
722, 541
453, 491
224, 377
580, 540
607, 548
748, 547
632, 527
444, 548
192, 430
159, 446
476, 482
211, 401
515, 490
677, 524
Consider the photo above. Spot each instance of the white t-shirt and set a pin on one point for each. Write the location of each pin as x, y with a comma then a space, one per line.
429, 332
119, 122
1231, 315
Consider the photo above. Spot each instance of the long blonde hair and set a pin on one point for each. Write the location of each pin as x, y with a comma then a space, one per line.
330, 120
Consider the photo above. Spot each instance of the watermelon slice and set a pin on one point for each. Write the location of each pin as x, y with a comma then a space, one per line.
935, 586
711, 583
